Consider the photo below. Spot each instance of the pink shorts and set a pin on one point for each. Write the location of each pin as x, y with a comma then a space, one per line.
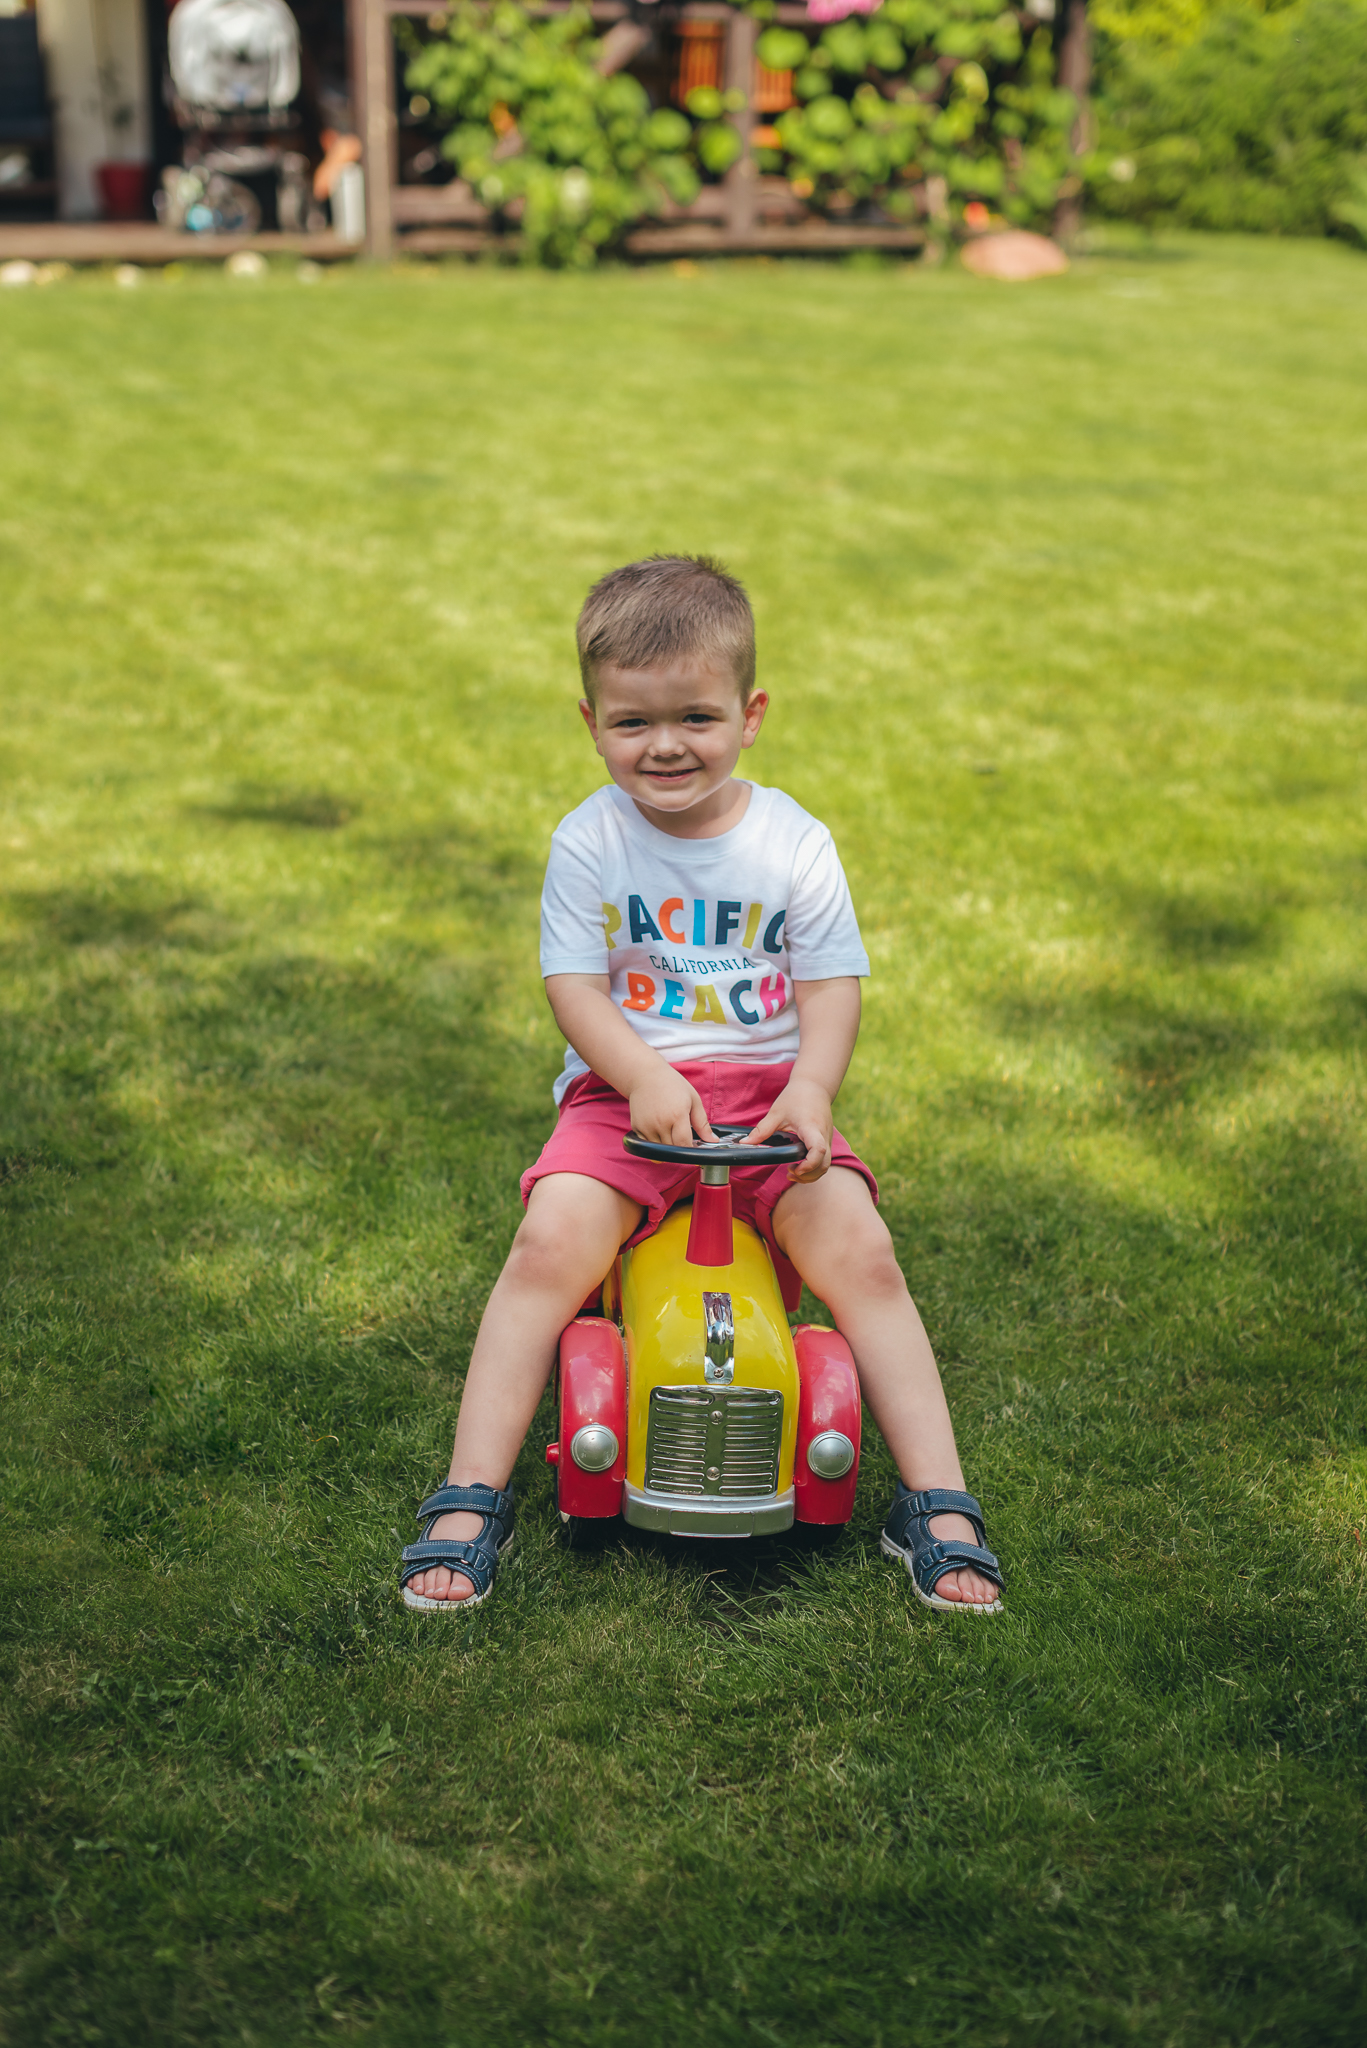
594, 1119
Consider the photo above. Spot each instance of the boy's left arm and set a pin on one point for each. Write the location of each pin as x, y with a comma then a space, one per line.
828, 1024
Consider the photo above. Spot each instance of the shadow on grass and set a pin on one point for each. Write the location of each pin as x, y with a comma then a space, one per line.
1190, 928
488, 877
306, 810
1157, 1054
132, 912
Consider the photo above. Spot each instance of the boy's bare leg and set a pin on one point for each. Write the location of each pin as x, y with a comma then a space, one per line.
839, 1243
567, 1241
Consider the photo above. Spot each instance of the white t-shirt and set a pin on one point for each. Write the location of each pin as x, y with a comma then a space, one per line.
701, 938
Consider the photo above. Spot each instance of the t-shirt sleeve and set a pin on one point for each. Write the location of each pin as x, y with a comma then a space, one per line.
822, 931
573, 938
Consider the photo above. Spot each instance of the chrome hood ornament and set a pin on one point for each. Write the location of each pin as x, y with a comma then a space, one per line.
719, 1367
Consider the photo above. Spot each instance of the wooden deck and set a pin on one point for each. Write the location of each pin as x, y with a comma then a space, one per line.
144, 243
138, 241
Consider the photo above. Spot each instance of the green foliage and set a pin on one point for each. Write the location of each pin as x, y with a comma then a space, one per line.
718, 146
573, 158
1159, 24
922, 90
1350, 210
782, 49
1259, 124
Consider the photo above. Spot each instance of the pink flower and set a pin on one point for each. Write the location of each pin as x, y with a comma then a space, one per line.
836, 10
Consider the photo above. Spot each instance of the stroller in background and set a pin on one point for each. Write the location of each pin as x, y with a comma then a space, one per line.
235, 77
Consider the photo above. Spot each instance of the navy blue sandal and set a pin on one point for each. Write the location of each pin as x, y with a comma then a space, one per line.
478, 1557
906, 1534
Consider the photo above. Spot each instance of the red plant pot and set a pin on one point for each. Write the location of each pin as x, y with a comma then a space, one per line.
126, 190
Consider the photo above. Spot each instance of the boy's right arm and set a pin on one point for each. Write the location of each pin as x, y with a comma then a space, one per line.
664, 1107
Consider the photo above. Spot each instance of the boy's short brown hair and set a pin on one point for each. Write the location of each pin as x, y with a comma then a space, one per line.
652, 612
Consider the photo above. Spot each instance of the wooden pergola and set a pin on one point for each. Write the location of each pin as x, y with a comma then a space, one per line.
744, 214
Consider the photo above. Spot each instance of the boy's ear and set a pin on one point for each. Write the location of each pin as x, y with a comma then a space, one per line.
756, 704
586, 712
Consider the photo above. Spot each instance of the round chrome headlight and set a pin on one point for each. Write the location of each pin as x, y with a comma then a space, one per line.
831, 1454
594, 1447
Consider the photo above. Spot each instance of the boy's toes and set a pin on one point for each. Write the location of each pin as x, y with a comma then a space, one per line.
971, 1588
442, 1584
445, 1584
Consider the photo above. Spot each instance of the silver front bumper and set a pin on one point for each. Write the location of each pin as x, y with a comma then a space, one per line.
692, 1516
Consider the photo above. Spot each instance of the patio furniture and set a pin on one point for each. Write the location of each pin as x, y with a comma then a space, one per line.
28, 182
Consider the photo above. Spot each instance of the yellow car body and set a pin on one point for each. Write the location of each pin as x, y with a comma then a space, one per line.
711, 1439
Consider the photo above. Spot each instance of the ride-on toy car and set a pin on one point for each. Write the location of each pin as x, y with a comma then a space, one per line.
689, 1405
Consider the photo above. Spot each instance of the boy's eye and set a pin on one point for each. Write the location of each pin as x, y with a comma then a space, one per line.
700, 718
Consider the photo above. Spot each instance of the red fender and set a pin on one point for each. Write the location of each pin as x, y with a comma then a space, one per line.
829, 1399
593, 1389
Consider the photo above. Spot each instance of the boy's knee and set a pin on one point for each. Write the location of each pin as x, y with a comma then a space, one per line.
867, 1259
557, 1244
850, 1251
545, 1246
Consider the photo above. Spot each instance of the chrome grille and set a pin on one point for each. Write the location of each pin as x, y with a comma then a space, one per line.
718, 1441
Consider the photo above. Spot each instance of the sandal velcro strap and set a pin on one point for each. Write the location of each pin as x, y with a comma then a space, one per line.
938, 1558
458, 1555
469, 1500
443, 1550
943, 1500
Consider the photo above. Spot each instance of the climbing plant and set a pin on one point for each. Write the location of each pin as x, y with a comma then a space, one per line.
571, 156
923, 109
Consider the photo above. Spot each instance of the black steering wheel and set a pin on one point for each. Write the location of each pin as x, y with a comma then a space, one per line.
779, 1150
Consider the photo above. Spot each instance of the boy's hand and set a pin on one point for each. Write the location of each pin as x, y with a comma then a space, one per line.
804, 1109
667, 1110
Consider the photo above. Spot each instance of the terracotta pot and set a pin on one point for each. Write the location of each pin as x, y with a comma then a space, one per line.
126, 190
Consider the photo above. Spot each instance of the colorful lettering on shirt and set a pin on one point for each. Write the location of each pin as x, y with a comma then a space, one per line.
668, 923
739, 989
707, 1009
772, 994
641, 992
672, 1006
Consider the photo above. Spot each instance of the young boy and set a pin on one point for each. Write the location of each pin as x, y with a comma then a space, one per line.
702, 958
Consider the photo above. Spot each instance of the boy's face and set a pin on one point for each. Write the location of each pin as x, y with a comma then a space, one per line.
671, 737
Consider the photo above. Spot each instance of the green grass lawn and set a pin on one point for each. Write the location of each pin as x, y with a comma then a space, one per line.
1061, 595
